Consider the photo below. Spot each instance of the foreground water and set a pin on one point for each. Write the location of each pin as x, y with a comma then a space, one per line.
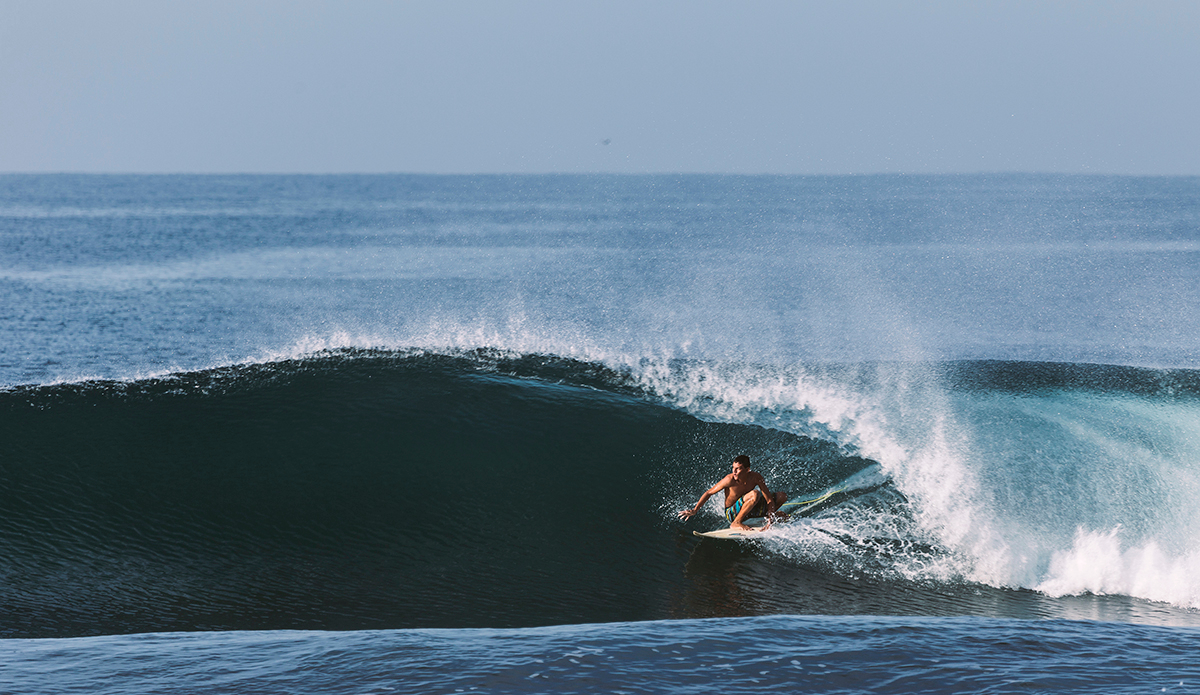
855, 654
454, 418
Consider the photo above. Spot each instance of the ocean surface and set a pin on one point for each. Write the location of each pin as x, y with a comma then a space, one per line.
375, 434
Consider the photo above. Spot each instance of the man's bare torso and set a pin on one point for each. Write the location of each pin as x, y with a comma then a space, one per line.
737, 485
737, 488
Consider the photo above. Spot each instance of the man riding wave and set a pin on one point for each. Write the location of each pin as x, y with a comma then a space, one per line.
742, 497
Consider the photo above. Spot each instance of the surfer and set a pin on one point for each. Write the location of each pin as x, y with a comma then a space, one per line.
742, 499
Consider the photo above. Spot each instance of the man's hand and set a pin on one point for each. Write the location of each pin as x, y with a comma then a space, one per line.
687, 513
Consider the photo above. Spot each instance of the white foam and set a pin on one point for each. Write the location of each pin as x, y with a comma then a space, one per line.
1098, 562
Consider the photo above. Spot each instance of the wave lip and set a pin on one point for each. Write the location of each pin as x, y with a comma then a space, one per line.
1099, 563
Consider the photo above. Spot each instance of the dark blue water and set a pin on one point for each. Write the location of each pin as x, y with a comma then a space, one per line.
443, 425
798, 654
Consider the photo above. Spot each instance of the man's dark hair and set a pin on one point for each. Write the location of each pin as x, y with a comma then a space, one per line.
742, 459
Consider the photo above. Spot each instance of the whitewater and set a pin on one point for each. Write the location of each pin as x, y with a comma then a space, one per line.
217, 391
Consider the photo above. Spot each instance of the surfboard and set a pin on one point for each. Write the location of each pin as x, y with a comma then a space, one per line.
730, 533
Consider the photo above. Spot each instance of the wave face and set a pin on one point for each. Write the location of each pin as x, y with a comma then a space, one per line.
349, 490
1085, 476
399, 489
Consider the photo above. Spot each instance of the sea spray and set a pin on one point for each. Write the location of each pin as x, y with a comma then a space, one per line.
1070, 490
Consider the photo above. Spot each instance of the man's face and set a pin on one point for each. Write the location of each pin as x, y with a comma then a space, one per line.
738, 469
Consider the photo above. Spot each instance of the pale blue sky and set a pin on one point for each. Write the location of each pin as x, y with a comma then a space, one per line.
539, 86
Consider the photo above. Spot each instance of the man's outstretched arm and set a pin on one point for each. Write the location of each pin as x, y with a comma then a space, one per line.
688, 513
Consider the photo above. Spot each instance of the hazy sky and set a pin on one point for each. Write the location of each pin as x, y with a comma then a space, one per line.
541, 86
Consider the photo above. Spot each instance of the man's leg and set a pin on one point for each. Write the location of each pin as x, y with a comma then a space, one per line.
748, 501
780, 499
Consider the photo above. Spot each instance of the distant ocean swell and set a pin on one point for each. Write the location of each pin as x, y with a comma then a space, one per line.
365, 489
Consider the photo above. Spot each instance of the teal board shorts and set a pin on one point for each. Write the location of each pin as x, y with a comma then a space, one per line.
759, 510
